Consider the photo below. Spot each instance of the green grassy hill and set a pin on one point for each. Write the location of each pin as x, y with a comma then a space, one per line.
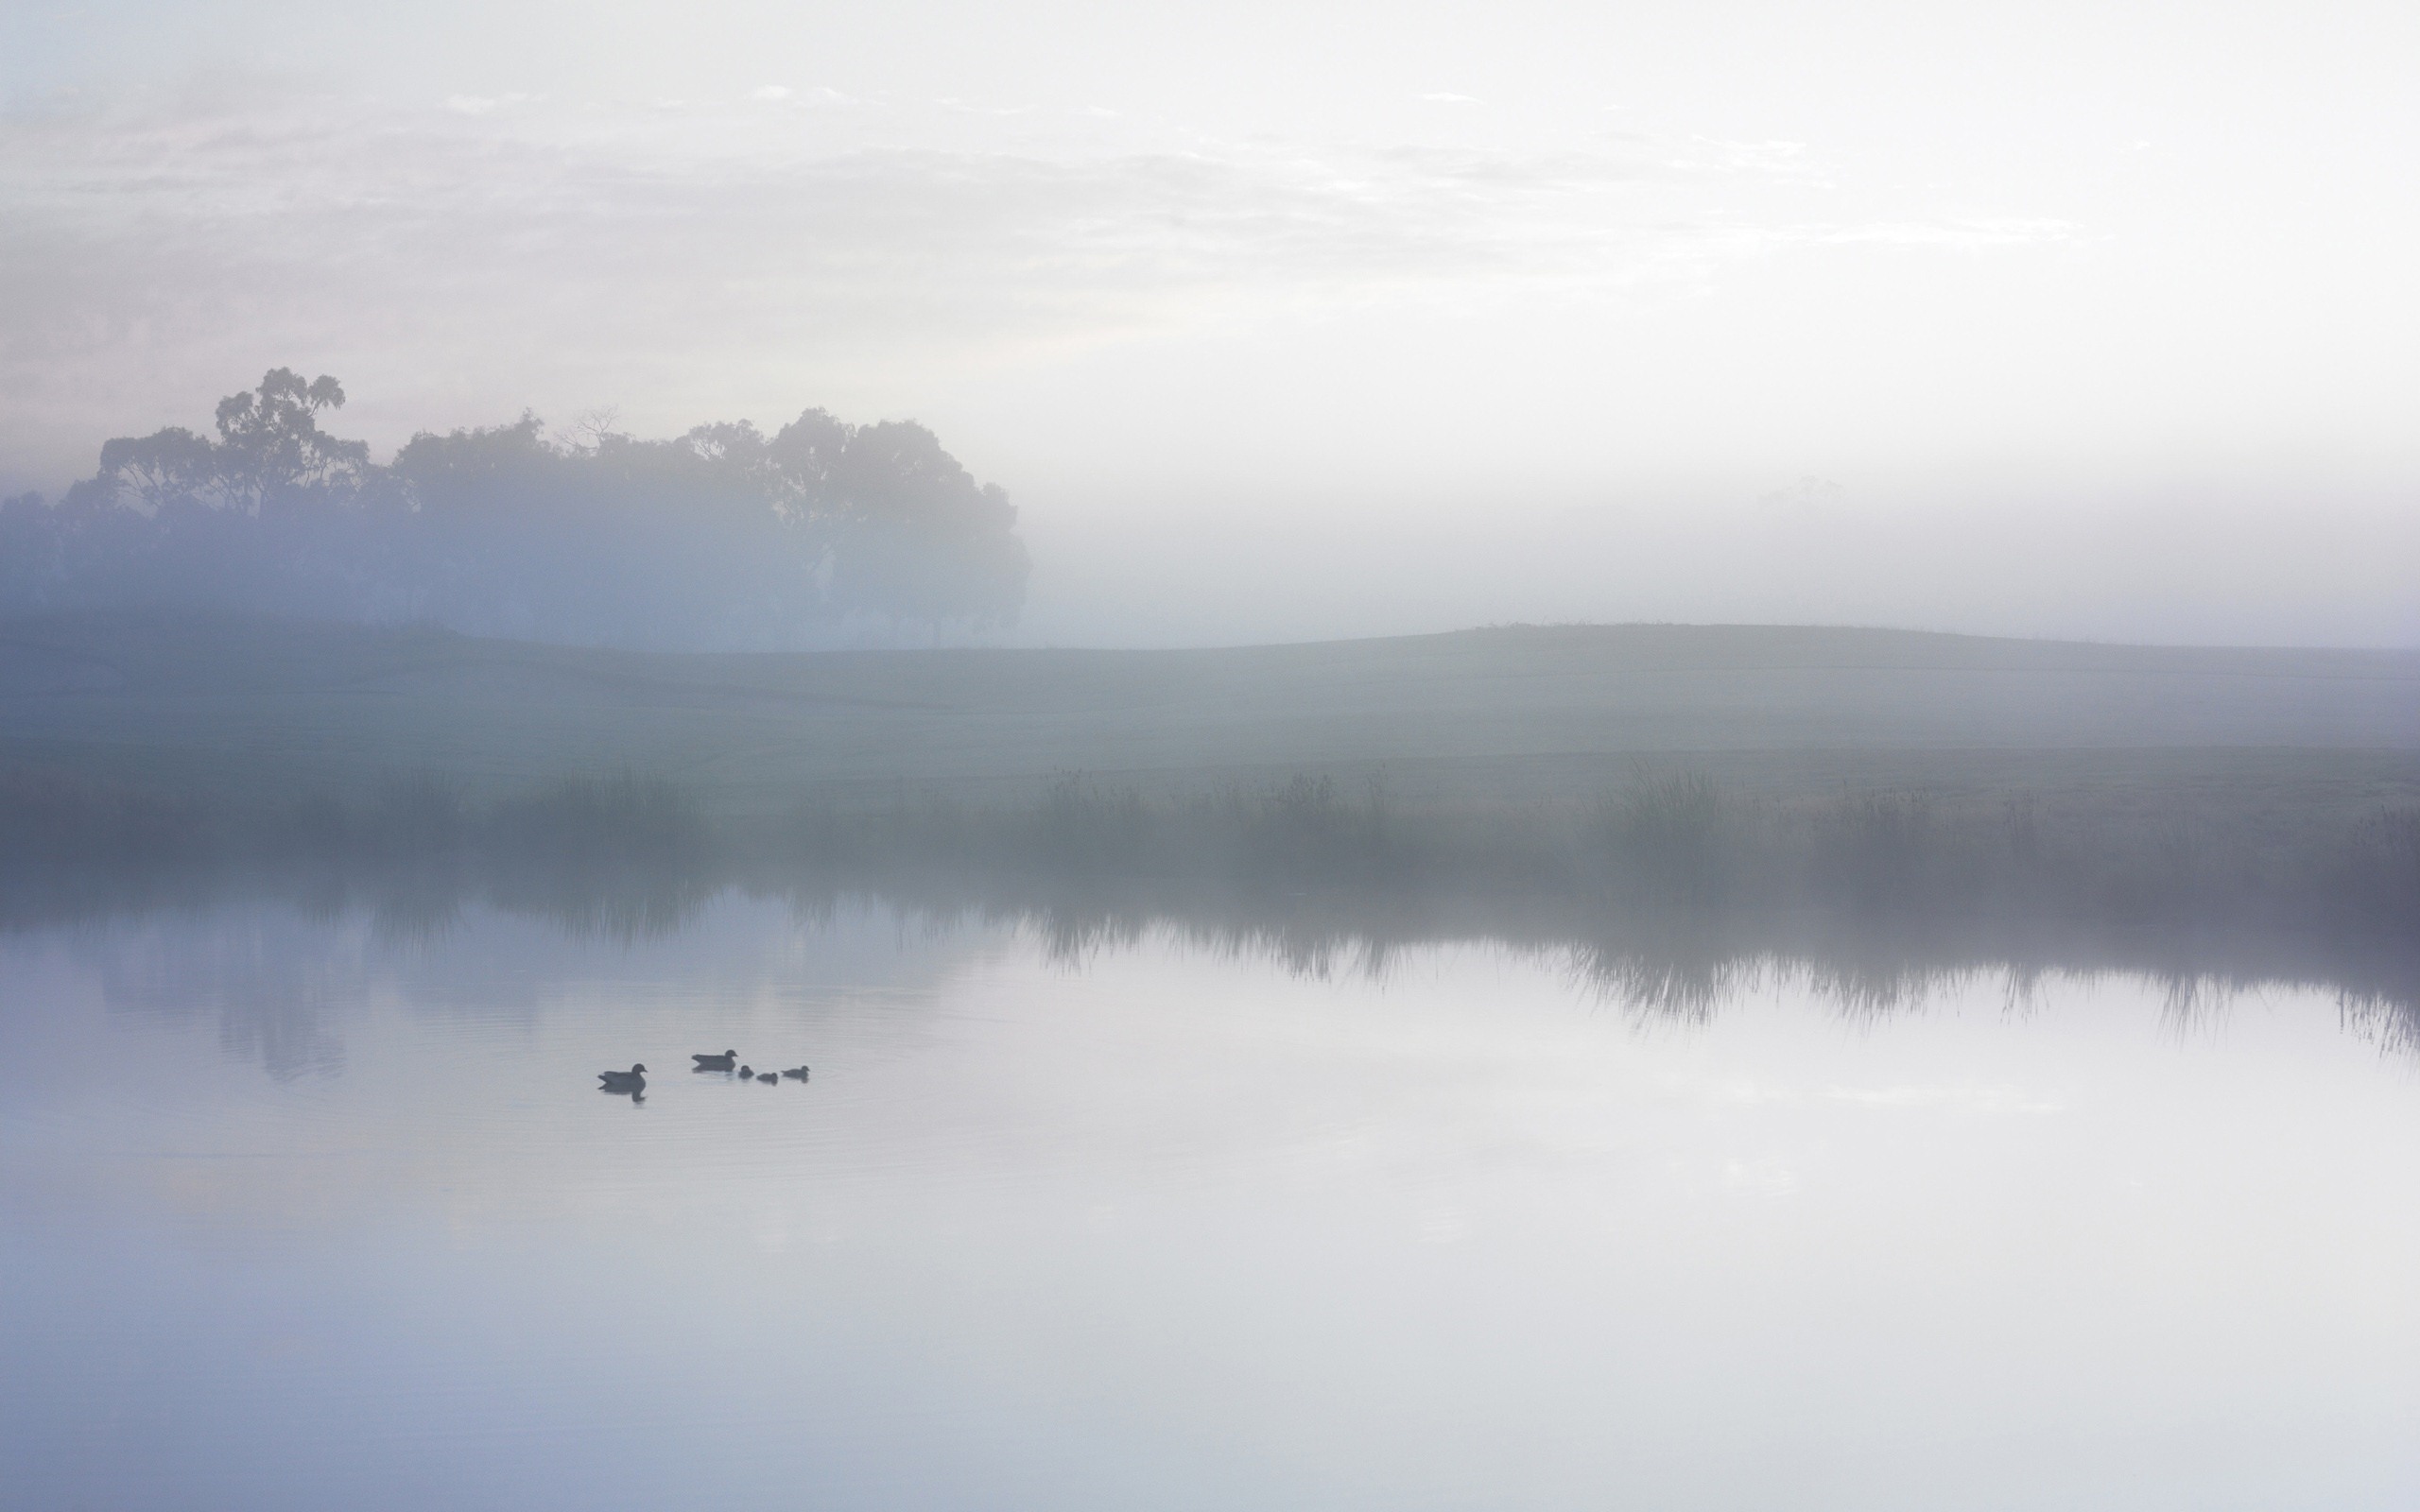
257, 712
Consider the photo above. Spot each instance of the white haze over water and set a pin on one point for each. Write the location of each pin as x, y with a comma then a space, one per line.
2041, 320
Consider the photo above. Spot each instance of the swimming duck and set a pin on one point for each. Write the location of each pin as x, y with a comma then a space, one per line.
795, 1073
746, 1071
767, 1077
722, 1062
624, 1081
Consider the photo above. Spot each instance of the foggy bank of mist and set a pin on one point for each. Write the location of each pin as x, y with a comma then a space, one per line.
812, 531
2295, 560
1518, 317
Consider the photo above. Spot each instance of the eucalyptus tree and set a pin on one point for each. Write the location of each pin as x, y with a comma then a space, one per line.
725, 536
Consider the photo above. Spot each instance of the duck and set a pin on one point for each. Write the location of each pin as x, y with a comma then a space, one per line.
624, 1081
722, 1062
795, 1073
767, 1078
746, 1073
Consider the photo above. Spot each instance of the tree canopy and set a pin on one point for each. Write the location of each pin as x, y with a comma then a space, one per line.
822, 533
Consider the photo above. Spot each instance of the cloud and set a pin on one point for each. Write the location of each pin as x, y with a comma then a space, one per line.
506, 234
782, 95
1948, 233
483, 104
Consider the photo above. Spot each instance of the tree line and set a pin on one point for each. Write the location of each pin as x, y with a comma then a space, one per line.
822, 533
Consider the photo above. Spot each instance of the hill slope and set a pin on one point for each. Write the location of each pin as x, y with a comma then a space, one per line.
264, 709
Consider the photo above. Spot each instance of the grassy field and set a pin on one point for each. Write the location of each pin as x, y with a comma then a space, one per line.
254, 712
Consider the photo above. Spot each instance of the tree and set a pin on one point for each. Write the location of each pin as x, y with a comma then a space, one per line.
722, 537
916, 537
270, 447
153, 471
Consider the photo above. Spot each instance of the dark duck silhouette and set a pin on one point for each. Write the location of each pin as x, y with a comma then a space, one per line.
767, 1078
631, 1080
722, 1062
795, 1073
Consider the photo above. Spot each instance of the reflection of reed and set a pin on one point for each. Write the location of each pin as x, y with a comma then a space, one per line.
1684, 967
1684, 988
1667, 898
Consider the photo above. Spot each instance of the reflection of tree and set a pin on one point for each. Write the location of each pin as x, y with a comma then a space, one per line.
281, 1025
270, 978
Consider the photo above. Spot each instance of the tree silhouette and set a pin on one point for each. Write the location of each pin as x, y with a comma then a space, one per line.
270, 444
722, 537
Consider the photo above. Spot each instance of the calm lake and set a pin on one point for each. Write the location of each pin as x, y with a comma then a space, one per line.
305, 1213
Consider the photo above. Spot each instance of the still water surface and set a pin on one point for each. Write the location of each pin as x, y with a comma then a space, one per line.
296, 1216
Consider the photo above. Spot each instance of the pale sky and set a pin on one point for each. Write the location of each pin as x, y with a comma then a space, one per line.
1286, 320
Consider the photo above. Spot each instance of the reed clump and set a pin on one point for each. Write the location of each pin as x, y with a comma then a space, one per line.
626, 822
48, 818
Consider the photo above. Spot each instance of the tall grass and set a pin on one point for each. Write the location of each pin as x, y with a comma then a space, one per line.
48, 818
628, 822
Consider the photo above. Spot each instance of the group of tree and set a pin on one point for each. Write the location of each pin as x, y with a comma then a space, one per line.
822, 533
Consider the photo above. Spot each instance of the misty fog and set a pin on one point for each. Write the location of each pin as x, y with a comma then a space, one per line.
1059, 755
1408, 322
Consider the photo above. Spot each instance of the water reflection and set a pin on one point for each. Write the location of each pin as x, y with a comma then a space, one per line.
1114, 1206
267, 983
265, 976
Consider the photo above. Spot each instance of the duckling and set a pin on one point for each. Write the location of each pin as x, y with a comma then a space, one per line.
631, 1080
795, 1073
722, 1062
746, 1073
767, 1077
